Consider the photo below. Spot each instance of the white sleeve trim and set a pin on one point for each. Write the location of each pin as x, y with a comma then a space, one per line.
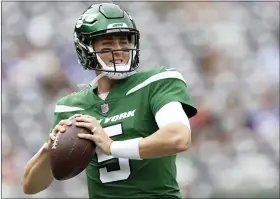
170, 113
63, 108
163, 75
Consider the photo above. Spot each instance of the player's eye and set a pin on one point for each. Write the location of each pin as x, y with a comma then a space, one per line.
124, 41
106, 43
105, 50
125, 49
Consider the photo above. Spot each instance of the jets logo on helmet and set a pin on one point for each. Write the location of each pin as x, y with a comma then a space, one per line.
117, 25
105, 19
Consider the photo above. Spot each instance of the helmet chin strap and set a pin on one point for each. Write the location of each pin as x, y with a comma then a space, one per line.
93, 83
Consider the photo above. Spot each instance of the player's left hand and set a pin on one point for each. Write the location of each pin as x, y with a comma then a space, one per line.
99, 136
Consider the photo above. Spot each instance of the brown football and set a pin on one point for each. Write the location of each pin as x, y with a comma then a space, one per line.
70, 154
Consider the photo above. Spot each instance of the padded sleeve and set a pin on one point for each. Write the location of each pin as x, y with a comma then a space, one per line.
171, 88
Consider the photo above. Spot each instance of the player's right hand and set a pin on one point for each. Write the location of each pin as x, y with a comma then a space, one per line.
60, 127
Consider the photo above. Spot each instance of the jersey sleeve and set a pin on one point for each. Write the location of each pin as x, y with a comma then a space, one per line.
170, 87
57, 117
61, 112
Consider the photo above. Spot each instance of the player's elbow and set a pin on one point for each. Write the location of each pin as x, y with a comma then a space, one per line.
26, 185
182, 143
30, 183
26, 188
182, 140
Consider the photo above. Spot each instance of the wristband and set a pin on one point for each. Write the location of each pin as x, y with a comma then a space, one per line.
128, 149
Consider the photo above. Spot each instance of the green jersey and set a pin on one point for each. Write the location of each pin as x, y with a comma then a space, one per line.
129, 112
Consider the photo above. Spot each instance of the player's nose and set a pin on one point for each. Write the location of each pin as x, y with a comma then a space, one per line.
117, 45
117, 48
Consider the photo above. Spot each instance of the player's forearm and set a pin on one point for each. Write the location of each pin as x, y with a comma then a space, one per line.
37, 173
168, 140
171, 139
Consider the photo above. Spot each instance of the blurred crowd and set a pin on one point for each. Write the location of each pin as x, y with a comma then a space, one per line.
228, 53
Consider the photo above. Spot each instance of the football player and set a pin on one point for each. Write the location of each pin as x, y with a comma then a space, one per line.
139, 120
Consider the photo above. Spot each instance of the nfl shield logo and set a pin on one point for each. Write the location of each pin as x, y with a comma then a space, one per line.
104, 108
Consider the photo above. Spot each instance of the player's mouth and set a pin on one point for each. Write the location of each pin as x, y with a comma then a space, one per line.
117, 61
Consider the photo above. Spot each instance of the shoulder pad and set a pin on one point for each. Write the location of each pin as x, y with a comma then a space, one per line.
142, 79
142, 75
156, 70
73, 102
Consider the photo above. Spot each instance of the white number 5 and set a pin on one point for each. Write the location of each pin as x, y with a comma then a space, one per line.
120, 168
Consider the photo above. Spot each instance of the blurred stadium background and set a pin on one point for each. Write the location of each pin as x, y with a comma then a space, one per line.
227, 51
